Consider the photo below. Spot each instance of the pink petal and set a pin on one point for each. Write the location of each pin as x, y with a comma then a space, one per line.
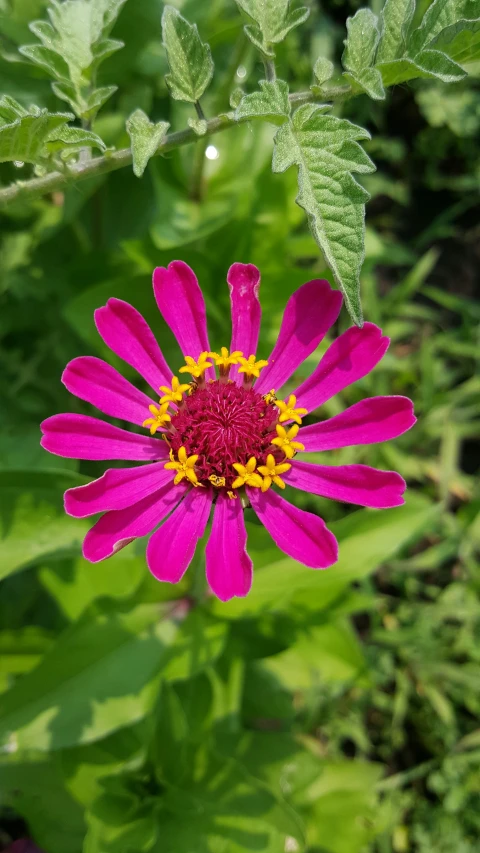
310, 312
349, 358
229, 568
128, 335
118, 488
82, 437
182, 306
100, 384
244, 282
367, 422
302, 535
171, 548
118, 528
356, 484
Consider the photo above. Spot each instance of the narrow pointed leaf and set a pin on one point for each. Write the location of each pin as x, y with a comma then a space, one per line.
190, 60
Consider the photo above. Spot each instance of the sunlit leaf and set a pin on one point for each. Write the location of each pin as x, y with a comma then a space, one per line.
145, 137
190, 60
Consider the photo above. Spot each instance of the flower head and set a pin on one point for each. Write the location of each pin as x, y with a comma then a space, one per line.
223, 437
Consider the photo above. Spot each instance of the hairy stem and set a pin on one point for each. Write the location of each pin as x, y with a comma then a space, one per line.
270, 72
119, 159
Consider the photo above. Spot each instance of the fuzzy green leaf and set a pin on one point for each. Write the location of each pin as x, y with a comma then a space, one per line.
326, 151
439, 65
323, 70
270, 103
441, 14
24, 139
72, 139
145, 137
460, 41
11, 110
47, 59
361, 42
396, 17
369, 81
273, 20
190, 60
198, 125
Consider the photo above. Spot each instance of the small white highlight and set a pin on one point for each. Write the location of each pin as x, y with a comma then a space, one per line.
212, 153
291, 845
241, 72
18, 163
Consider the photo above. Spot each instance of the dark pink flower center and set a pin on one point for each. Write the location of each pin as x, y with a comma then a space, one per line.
223, 423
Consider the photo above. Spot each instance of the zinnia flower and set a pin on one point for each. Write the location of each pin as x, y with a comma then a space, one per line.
226, 438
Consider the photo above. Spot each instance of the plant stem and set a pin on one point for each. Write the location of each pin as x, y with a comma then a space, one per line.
270, 72
36, 187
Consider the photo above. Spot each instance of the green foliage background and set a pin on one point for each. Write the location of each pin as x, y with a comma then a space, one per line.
332, 712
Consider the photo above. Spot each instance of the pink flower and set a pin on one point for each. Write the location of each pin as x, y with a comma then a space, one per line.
223, 439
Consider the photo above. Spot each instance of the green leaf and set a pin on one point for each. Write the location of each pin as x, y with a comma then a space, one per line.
10, 110
71, 139
439, 65
323, 70
145, 137
460, 41
103, 674
190, 60
25, 138
198, 125
424, 66
396, 17
273, 21
368, 81
270, 103
47, 59
441, 14
361, 42
33, 523
326, 151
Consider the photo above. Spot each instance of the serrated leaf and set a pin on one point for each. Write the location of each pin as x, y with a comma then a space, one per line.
460, 41
369, 81
24, 139
73, 38
47, 59
190, 60
441, 14
198, 125
72, 139
270, 103
326, 151
273, 21
361, 42
323, 70
145, 137
396, 17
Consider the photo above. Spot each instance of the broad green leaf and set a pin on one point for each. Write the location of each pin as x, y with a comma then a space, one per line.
145, 137
369, 81
11, 110
71, 139
190, 60
85, 107
423, 66
270, 103
439, 65
323, 70
33, 523
396, 17
273, 21
326, 152
460, 41
47, 59
73, 37
24, 139
441, 14
103, 674
361, 42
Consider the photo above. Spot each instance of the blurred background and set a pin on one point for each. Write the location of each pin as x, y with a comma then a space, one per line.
347, 703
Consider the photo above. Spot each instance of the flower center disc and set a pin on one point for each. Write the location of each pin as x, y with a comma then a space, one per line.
224, 423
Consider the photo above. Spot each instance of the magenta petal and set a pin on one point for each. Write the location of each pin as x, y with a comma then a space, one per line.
356, 484
118, 488
349, 358
244, 282
100, 384
118, 528
182, 306
302, 535
309, 313
128, 335
229, 568
82, 437
171, 548
367, 422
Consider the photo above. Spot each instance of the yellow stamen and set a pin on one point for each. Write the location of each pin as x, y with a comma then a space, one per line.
216, 481
250, 366
224, 360
196, 368
270, 472
232, 496
160, 418
271, 397
285, 440
288, 410
175, 393
185, 467
246, 474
